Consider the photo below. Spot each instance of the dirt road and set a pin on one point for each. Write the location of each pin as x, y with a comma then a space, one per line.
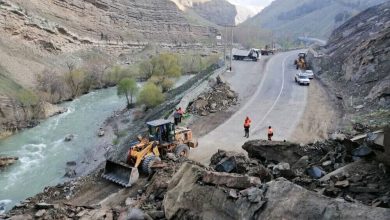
270, 97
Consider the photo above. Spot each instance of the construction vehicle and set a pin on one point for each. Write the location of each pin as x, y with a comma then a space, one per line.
163, 137
252, 54
267, 50
300, 63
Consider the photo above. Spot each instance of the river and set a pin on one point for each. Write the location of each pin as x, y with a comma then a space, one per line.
42, 151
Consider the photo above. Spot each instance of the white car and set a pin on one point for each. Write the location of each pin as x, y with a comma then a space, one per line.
310, 74
302, 78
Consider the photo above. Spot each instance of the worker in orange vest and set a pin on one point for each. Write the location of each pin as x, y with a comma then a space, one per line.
247, 125
270, 133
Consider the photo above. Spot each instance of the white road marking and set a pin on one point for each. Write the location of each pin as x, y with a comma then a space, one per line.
276, 100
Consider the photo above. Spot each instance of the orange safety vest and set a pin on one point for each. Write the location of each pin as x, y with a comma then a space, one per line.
247, 123
270, 131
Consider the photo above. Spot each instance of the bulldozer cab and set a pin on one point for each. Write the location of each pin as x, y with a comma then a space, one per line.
161, 130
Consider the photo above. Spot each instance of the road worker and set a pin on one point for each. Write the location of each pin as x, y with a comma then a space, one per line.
270, 133
247, 125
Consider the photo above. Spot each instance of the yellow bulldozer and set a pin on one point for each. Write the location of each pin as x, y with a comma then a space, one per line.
163, 137
300, 63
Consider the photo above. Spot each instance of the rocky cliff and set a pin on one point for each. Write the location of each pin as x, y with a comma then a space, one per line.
46, 34
220, 12
356, 64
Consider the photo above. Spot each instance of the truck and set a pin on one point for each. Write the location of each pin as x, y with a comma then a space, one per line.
252, 54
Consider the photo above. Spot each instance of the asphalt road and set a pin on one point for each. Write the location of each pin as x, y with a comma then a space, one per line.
269, 96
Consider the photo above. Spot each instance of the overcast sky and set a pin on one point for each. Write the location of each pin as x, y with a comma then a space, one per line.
258, 3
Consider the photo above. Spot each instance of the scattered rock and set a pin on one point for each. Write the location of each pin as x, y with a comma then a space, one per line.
315, 172
100, 132
68, 137
6, 161
362, 151
231, 180
44, 205
303, 162
40, 213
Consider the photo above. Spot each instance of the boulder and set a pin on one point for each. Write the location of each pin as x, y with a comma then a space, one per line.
230, 161
6, 161
68, 137
265, 150
230, 180
315, 172
40, 213
21, 217
188, 199
362, 151
286, 200
43, 205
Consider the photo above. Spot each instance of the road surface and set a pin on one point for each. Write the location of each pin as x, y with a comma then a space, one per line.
270, 97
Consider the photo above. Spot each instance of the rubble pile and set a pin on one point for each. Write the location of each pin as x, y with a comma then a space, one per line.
335, 168
219, 98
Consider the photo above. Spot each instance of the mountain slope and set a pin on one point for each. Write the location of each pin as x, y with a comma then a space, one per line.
219, 12
38, 35
356, 63
314, 18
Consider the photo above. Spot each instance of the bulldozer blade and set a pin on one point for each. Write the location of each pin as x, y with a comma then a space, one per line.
120, 173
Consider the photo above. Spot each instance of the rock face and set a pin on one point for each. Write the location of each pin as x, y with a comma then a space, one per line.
315, 18
355, 63
220, 12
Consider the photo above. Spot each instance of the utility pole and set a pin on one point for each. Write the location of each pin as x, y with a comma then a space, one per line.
231, 50
224, 46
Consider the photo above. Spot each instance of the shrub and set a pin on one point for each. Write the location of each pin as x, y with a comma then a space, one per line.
150, 95
127, 87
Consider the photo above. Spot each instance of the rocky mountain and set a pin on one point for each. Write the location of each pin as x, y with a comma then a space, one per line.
356, 64
314, 18
38, 35
220, 12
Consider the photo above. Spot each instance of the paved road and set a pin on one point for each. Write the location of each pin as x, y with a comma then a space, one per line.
270, 97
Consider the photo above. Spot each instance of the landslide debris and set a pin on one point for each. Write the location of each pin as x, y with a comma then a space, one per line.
331, 179
218, 98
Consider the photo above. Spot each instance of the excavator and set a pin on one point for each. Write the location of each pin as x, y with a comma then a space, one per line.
163, 137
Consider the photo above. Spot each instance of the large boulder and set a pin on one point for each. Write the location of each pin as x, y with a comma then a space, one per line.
188, 198
279, 151
287, 200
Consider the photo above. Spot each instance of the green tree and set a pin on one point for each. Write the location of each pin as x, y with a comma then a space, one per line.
146, 69
75, 81
162, 69
27, 100
127, 87
150, 95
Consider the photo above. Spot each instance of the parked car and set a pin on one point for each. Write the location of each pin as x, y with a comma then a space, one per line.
302, 78
310, 74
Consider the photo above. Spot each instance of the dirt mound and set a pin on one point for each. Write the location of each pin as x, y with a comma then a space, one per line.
219, 98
